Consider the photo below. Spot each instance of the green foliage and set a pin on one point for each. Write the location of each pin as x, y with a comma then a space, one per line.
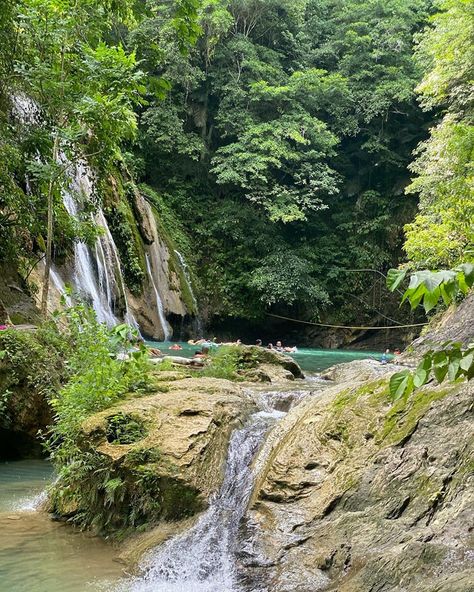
287, 129
443, 171
285, 278
120, 222
429, 287
124, 429
452, 363
454, 360
32, 364
224, 363
97, 379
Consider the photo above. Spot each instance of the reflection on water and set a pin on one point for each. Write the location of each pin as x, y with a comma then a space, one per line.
37, 554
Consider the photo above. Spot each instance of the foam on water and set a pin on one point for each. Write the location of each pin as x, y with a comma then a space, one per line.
202, 559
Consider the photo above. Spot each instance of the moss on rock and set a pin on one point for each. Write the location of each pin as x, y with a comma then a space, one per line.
32, 369
357, 494
153, 458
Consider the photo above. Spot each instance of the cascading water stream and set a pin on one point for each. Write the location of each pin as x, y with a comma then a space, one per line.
187, 277
110, 254
159, 303
85, 278
98, 277
59, 285
202, 559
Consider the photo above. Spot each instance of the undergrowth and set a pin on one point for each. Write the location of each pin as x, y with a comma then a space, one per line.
231, 362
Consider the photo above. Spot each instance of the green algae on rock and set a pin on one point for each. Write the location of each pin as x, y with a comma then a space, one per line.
356, 494
165, 470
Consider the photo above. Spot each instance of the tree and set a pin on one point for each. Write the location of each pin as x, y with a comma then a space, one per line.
84, 91
442, 231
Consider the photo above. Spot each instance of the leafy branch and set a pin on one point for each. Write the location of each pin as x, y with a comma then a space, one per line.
450, 363
453, 361
428, 287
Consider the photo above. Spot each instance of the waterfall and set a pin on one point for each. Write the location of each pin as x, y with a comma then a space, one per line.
201, 559
187, 277
159, 303
110, 255
96, 274
59, 284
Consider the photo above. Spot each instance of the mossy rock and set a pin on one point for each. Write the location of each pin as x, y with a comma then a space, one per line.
152, 458
32, 370
357, 493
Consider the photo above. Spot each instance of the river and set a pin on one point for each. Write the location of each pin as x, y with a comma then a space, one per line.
39, 555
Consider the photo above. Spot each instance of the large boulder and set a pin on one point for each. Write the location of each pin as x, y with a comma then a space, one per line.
152, 458
357, 495
358, 371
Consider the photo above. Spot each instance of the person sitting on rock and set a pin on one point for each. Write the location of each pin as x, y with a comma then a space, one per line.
204, 353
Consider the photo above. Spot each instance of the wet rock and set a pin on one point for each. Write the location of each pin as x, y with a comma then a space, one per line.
335, 510
273, 366
358, 371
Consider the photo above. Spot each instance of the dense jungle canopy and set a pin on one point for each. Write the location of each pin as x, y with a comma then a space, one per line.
286, 143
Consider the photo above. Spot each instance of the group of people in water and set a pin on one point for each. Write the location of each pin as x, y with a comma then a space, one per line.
387, 355
207, 345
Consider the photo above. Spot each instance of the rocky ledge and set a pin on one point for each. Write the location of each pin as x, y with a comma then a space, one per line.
359, 495
157, 458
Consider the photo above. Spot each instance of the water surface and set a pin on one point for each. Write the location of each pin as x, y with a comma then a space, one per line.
37, 554
311, 360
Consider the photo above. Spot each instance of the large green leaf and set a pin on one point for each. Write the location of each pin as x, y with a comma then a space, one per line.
467, 361
395, 277
401, 383
431, 299
467, 270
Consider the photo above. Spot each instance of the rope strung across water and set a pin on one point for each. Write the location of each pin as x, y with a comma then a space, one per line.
346, 326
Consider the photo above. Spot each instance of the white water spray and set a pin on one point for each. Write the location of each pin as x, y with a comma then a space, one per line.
159, 302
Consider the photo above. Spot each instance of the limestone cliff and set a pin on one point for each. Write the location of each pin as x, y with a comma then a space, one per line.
357, 495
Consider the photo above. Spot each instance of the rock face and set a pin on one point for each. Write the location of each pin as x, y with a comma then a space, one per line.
358, 371
31, 368
165, 277
357, 495
266, 365
456, 324
164, 452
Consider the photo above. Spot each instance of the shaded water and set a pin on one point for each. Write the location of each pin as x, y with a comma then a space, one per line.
37, 554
